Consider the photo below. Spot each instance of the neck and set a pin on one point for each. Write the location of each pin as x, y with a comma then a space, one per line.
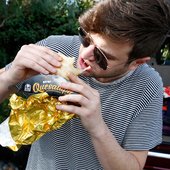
111, 79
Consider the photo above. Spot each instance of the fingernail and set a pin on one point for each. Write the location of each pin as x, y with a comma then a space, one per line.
45, 72
60, 58
58, 107
54, 70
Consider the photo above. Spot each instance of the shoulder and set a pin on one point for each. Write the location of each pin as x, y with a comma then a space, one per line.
147, 75
68, 45
59, 39
148, 89
146, 71
143, 86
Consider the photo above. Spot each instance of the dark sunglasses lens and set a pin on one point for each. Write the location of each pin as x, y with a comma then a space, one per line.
85, 40
100, 59
99, 56
81, 32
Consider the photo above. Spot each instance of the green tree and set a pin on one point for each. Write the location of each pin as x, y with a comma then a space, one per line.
27, 21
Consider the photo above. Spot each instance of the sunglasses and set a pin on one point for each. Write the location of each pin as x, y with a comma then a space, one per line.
99, 56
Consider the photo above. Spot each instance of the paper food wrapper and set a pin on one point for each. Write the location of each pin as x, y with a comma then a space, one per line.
31, 117
33, 108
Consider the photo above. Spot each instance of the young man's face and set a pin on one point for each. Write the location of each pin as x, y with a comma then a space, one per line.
117, 57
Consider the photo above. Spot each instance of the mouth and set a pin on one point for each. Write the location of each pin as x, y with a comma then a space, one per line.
84, 66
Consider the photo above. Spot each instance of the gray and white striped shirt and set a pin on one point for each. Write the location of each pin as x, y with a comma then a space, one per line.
131, 108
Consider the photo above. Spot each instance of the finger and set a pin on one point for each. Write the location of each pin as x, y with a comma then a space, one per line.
28, 60
74, 98
47, 50
47, 54
75, 79
69, 109
30, 56
29, 64
42, 62
39, 68
83, 90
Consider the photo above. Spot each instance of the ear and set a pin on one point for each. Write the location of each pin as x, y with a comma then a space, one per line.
138, 62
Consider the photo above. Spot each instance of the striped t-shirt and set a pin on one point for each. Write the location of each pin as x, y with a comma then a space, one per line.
131, 108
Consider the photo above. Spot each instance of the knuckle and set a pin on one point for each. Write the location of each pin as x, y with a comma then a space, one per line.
31, 44
33, 64
96, 93
69, 109
80, 98
24, 47
47, 56
82, 89
87, 114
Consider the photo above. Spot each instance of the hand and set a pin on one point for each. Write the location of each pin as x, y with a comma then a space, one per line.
88, 108
31, 60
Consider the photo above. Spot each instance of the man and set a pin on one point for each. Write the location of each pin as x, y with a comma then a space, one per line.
119, 95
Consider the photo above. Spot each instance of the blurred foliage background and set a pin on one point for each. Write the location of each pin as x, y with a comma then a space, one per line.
28, 21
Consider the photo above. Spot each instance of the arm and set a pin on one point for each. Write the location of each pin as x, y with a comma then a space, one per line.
29, 61
4, 85
110, 154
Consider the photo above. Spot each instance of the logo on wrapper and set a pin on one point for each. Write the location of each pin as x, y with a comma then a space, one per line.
27, 88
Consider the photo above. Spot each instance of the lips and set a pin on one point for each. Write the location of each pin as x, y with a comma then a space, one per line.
84, 65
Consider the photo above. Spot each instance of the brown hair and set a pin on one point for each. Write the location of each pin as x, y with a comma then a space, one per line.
144, 23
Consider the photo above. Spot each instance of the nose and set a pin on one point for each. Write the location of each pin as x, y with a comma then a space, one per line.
88, 53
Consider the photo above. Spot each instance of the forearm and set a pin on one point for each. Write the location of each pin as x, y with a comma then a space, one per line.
111, 155
5, 83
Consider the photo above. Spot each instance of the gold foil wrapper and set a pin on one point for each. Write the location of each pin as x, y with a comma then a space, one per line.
31, 118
